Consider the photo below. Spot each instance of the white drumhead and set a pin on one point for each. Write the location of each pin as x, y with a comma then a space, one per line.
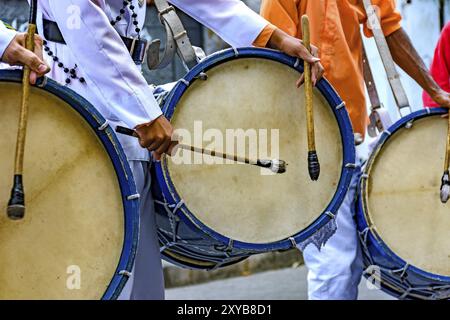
69, 243
236, 200
403, 198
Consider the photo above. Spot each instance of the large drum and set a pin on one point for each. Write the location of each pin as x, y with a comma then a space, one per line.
403, 225
211, 214
79, 235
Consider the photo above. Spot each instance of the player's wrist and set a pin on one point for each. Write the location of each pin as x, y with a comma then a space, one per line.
276, 40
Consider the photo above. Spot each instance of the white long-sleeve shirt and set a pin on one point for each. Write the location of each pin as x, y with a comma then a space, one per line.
114, 84
6, 36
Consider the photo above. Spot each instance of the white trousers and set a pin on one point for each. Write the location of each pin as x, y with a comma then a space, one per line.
335, 271
147, 280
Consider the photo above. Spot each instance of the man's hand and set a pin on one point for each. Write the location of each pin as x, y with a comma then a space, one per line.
294, 47
156, 136
16, 54
442, 98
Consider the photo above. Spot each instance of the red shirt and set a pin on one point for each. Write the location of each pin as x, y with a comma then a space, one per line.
440, 67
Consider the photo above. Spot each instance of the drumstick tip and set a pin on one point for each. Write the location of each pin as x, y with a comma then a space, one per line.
445, 187
313, 165
16, 204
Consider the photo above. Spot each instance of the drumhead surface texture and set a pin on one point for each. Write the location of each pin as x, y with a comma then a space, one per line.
237, 200
69, 244
403, 196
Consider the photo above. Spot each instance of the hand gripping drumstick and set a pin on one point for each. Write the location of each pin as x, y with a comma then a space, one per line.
276, 165
445, 186
313, 160
16, 204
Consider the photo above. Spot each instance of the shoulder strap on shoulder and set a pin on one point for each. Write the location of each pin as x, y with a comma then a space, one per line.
177, 40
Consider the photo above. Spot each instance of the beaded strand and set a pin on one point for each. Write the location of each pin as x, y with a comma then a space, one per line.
72, 73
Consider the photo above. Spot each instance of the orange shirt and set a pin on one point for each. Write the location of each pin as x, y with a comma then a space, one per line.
335, 30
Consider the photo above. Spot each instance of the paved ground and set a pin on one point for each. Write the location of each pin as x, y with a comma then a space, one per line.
286, 284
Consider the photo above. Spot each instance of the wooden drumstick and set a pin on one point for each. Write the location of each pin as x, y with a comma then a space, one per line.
313, 160
16, 204
276, 165
445, 185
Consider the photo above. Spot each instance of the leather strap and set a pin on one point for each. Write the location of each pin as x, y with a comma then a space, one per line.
370, 82
177, 39
379, 119
136, 47
394, 78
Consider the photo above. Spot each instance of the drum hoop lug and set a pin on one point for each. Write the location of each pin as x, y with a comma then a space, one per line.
236, 52
363, 237
296, 63
125, 273
351, 165
409, 124
43, 83
330, 214
185, 82
226, 249
230, 246
104, 126
364, 234
364, 176
405, 268
177, 206
340, 106
428, 109
202, 76
133, 196
293, 242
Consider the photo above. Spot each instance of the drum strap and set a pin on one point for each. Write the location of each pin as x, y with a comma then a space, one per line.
177, 40
394, 78
379, 116
370, 83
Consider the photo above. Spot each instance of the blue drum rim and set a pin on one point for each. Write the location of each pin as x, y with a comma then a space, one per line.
116, 154
373, 235
340, 113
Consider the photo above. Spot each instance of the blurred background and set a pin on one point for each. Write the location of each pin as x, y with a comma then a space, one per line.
274, 275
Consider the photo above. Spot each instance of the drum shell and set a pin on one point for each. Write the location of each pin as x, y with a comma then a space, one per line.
116, 155
200, 251
398, 278
188, 219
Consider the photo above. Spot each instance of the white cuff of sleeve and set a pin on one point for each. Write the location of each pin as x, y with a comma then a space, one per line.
133, 120
6, 36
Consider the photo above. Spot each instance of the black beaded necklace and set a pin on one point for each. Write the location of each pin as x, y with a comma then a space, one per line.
129, 4
72, 72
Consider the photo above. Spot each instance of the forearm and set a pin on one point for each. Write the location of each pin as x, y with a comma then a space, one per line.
407, 58
276, 39
232, 20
